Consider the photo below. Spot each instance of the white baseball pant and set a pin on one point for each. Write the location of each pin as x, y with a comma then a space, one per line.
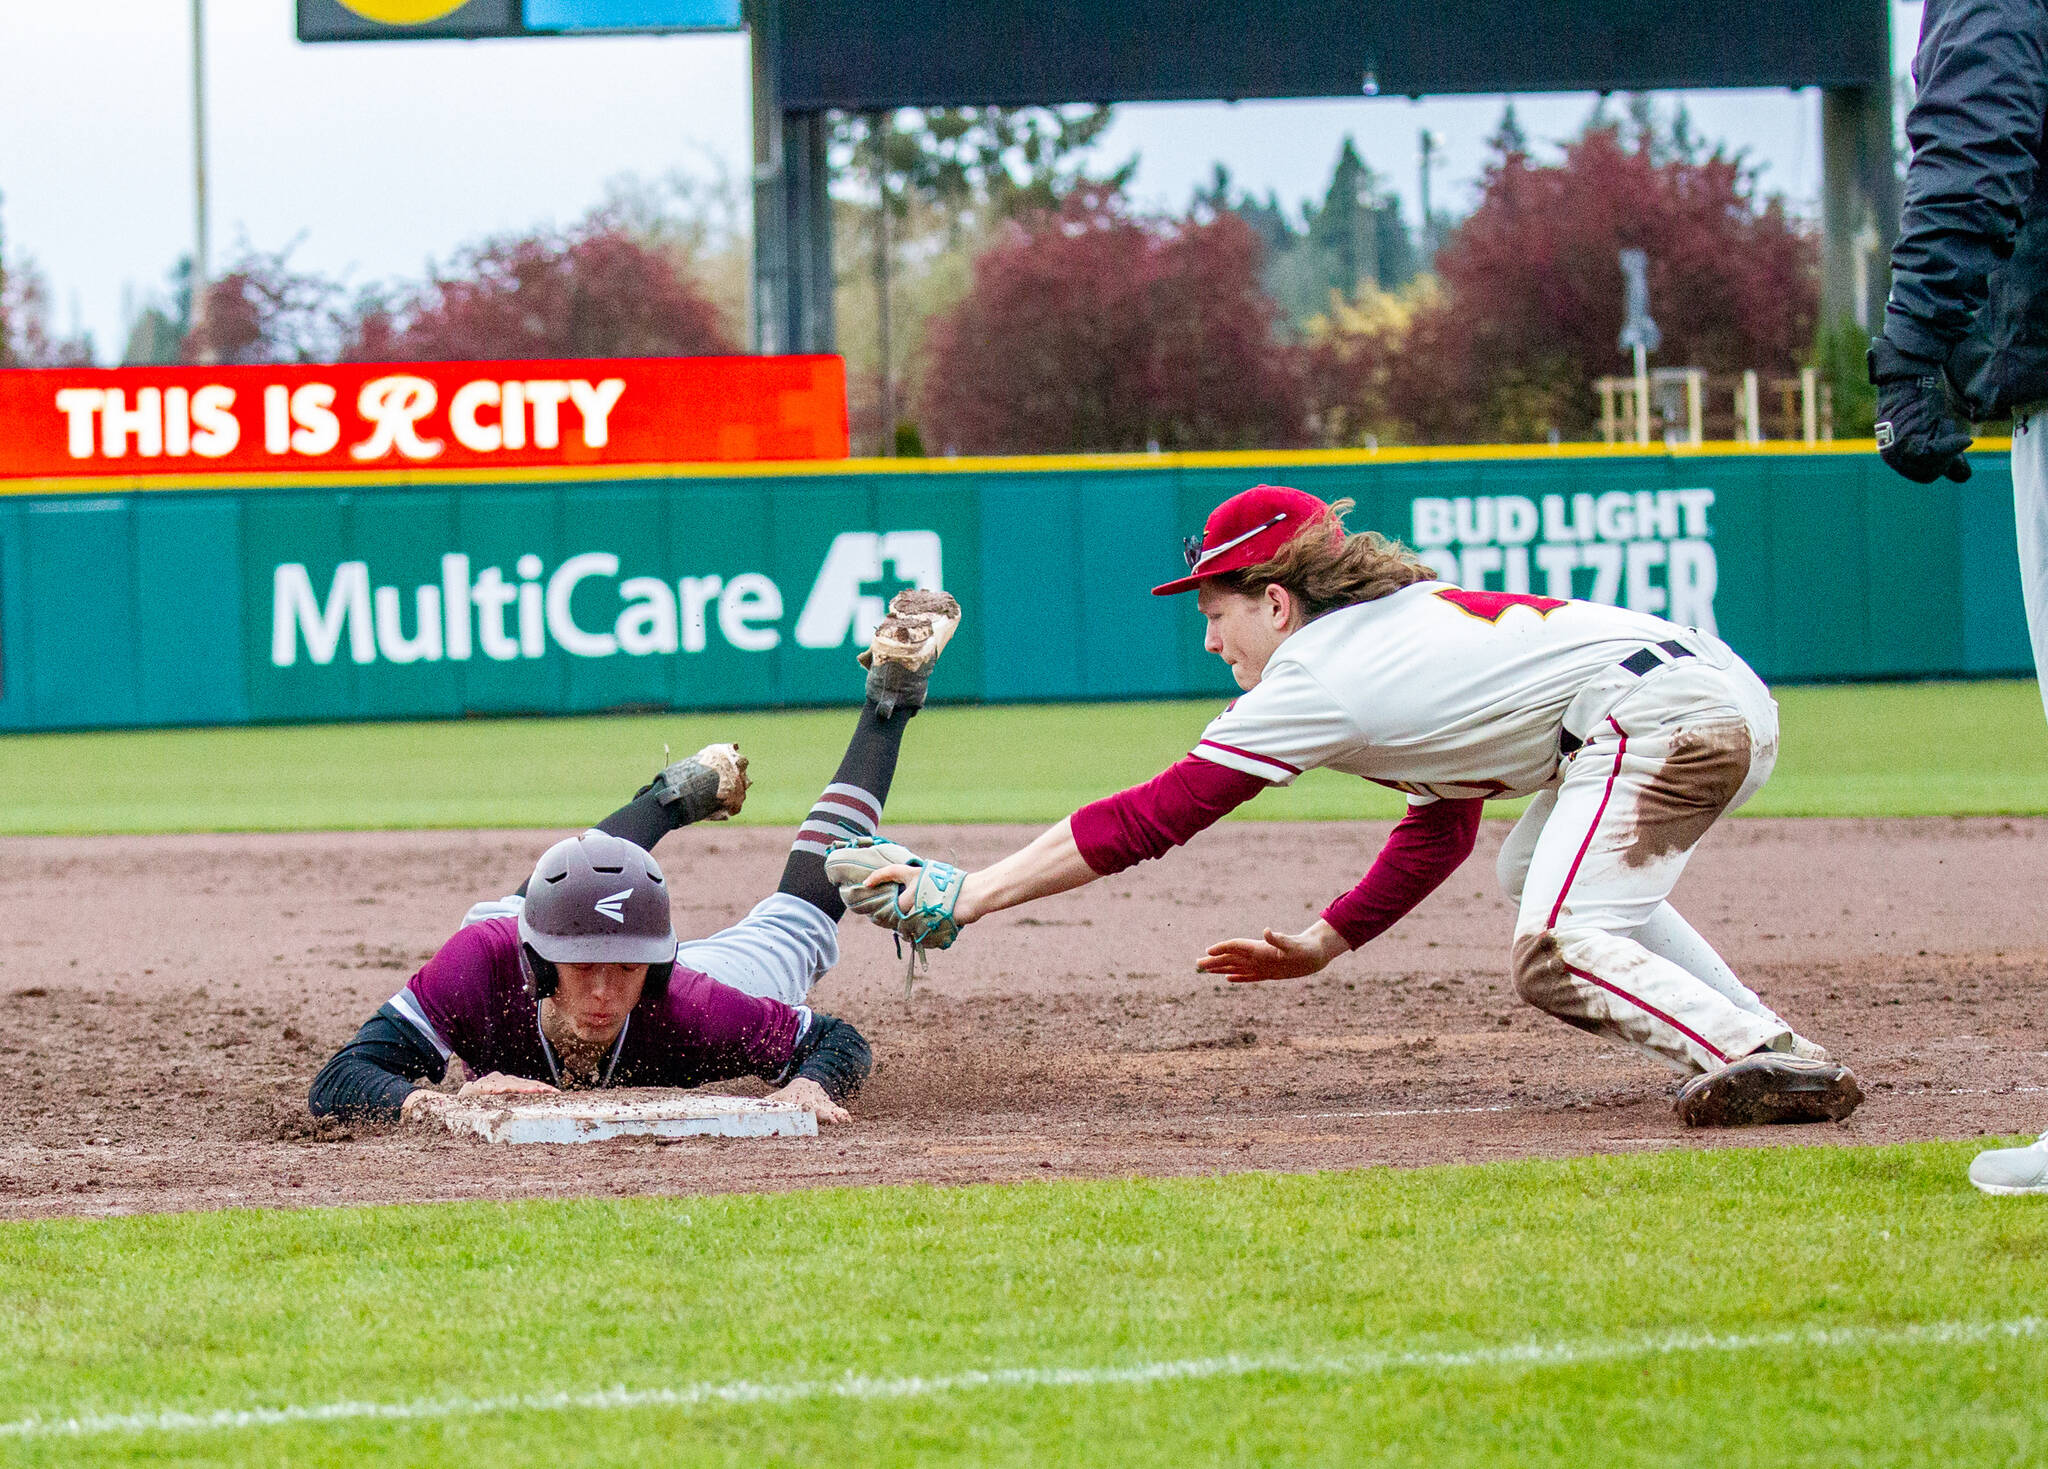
2030, 514
778, 951
1594, 858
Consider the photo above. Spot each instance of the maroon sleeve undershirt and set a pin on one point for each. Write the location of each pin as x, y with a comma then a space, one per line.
1421, 851
1148, 820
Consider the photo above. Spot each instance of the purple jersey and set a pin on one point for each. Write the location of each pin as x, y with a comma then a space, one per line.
471, 1000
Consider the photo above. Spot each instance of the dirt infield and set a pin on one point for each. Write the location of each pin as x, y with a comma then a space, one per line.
164, 1002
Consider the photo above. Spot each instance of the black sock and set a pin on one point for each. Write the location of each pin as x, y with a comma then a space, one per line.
643, 821
849, 807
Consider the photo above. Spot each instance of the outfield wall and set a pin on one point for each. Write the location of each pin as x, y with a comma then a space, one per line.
403, 596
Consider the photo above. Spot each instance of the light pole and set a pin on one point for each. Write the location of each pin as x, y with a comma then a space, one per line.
200, 263
1429, 152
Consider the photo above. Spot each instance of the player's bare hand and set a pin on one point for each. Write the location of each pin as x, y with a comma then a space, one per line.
498, 1082
420, 1102
1275, 956
813, 1099
900, 873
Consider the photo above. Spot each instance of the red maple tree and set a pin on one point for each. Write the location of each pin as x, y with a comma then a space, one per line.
1531, 310
596, 293
1096, 328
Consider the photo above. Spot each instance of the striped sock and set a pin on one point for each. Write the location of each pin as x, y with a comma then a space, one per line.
841, 811
849, 807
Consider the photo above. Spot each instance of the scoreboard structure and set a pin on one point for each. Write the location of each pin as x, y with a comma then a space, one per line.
815, 56
478, 20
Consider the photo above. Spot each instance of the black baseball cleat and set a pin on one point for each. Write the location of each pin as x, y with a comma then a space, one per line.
1769, 1086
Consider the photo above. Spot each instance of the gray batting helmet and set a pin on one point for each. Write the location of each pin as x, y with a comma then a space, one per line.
596, 899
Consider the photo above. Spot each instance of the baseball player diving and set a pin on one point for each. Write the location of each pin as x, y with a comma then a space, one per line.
1632, 734
577, 980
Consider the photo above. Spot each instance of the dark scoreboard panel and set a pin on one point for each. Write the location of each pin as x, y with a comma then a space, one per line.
878, 53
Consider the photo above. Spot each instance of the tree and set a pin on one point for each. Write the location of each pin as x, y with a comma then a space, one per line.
700, 222
1097, 328
1532, 290
1350, 357
594, 292
971, 163
27, 338
262, 310
917, 192
1353, 241
156, 336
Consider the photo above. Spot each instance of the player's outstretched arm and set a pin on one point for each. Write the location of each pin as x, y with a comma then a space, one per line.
1052, 863
373, 1076
828, 1067
1275, 955
1100, 839
1424, 848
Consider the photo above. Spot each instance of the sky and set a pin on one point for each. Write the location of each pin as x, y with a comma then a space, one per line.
370, 160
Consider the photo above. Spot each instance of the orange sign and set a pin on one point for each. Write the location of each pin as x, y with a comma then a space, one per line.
420, 415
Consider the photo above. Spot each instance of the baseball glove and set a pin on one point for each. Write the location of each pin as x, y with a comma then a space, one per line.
927, 922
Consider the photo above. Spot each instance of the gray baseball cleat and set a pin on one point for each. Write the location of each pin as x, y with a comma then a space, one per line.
707, 786
2013, 1170
906, 645
1769, 1086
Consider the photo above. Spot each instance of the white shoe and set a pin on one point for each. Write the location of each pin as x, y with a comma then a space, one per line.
2013, 1170
906, 645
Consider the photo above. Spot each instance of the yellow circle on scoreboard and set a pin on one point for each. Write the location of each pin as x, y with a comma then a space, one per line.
402, 12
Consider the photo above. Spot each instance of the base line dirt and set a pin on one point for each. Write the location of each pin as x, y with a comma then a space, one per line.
164, 1002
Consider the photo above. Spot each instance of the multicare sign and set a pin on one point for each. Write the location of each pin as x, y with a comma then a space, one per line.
420, 415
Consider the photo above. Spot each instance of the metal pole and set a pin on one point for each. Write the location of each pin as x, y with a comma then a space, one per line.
879, 136
771, 259
1428, 219
201, 256
1642, 395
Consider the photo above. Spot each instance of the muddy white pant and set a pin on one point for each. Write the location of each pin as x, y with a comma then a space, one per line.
2030, 507
1594, 858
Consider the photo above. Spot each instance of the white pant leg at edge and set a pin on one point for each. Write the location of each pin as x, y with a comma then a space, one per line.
1618, 838
777, 952
1664, 933
2030, 514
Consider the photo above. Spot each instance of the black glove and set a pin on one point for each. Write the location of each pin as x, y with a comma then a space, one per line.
1916, 433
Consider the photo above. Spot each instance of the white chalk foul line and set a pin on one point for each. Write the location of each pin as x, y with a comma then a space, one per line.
884, 1389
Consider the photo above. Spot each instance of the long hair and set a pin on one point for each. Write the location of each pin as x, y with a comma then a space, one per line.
1326, 567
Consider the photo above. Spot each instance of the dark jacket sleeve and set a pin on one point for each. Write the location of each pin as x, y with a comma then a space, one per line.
1976, 133
372, 1075
833, 1054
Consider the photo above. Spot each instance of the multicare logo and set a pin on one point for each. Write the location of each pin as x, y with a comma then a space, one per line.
587, 609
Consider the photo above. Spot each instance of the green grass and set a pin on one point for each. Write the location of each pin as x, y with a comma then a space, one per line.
243, 1310
1852, 750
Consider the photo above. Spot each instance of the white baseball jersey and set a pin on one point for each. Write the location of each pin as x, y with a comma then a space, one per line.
1434, 690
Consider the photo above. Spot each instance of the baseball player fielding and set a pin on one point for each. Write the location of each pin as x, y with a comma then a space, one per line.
1632, 734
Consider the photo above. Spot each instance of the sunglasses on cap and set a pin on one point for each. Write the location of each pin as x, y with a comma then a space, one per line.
1191, 546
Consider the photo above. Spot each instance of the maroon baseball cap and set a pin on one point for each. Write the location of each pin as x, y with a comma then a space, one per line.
1244, 530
